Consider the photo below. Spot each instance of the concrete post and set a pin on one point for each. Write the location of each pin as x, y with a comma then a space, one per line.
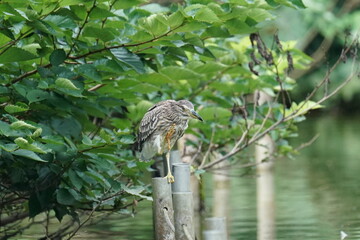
163, 209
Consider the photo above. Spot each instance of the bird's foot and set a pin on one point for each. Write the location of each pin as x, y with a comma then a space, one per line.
170, 178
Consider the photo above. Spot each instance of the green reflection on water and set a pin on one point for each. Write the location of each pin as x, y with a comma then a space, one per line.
317, 193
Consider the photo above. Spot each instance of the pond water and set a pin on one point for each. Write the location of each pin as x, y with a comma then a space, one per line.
317, 192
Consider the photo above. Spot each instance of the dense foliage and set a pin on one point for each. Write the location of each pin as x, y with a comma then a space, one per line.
77, 76
321, 31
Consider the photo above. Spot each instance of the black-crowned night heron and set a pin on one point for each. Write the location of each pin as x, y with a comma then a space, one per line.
162, 125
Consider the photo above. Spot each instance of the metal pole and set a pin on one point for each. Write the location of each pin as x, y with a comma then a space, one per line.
183, 215
212, 235
175, 157
181, 171
217, 224
163, 209
183, 202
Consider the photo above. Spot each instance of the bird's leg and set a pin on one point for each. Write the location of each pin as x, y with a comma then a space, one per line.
169, 176
168, 136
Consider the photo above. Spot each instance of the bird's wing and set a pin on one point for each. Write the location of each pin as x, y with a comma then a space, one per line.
150, 122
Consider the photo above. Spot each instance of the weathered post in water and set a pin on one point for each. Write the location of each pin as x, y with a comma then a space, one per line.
264, 150
212, 235
163, 209
183, 202
215, 228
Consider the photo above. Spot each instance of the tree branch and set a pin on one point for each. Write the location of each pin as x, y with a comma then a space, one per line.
354, 71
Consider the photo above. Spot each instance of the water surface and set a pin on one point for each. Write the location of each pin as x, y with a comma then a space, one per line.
317, 192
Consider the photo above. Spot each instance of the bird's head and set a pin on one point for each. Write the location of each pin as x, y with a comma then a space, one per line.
188, 109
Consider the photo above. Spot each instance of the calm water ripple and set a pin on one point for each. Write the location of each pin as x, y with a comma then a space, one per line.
317, 193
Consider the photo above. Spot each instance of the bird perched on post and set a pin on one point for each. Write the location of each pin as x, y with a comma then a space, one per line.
162, 125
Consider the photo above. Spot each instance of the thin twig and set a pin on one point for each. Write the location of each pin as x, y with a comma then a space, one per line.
82, 27
268, 114
32, 72
211, 144
308, 143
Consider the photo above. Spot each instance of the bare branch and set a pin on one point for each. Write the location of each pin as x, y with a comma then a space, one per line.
209, 148
308, 143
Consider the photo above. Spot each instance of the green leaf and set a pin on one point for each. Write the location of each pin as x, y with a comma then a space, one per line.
65, 84
37, 133
7, 131
21, 125
60, 211
28, 154
34, 206
9, 147
124, 4
205, 14
101, 13
155, 24
24, 144
154, 79
210, 67
60, 21
179, 73
21, 142
236, 26
37, 95
298, 3
104, 34
289, 3
302, 108
65, 196
259, 14
7, 33
212, 113
57, 57
144, 88
125, 56
137, 192
176, 19
191, 26
129, 139
15, 54
89, 71
19, 107
75, 179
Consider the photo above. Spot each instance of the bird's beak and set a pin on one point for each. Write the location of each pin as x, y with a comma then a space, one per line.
196, 115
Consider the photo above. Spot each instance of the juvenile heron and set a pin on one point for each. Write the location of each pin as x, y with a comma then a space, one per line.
162, 125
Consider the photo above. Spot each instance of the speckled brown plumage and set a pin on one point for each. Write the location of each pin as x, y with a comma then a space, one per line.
162, 125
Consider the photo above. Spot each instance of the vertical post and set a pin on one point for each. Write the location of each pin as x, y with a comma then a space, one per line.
212, 235
183, 204
265, 183
187, 153
216, 226
163, 209
181, 171
175, 157
183, 216
221, 190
